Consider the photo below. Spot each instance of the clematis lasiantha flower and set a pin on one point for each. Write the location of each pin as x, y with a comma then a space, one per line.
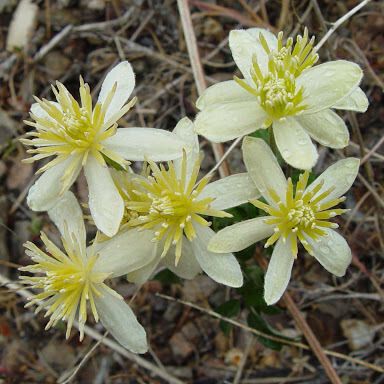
173, 205
71, 280
299, 214
79, 135
282, 89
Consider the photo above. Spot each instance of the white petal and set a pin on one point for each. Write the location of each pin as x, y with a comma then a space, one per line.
67, 213
239, 236
221, 267
122, 74
185, 130
48, 188
223, 92
332, 252
326, 127
263, 168
121, 322
187, 267
294, 143
230, 191
143, 274
139, 144
126, 252
223, 122
278, 272
244, 44
356, 101
105, 203
339, 176
326, 84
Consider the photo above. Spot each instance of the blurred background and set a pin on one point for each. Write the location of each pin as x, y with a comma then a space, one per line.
48, 40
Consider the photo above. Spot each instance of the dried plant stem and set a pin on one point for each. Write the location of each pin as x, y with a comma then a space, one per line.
339, 22
25, 293
271, 337
198, 72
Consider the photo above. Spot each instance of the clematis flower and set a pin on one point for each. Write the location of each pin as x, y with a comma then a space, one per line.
74, 278
295, 215
172, 205
79, 135
282, 89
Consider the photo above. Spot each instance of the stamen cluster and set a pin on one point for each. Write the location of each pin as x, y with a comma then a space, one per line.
302, 215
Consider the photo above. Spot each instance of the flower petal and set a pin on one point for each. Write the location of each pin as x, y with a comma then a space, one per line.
239, 236
332, 252
328, 83
124, 77
223, 122
126, 252
67, 213
263, 168
143, 274
221, 267
230, 191
326, 127
39, 112
244, 44
49, 187
294, 143
356, 101
185, 130
223, 92
105, 203
339, 176
121, 322
139, 144
187, 267
278, 272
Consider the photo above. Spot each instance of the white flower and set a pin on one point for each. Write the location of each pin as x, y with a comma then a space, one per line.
171, 204
69, 280
282, 88
79, 135
295, 215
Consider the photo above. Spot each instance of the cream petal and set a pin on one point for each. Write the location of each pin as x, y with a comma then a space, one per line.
124, 77
185, 130
105, 203
223, 92
263, 168
244, 44
328, 83
126, 252
139, 144
339, 176
332, 252
187, 267
230, 191
224, 122
221, 267
121, 322
239, 236
326, 127
48, 188
294, 143
278, 272
356, 101
39, 112
67, 213
143, 274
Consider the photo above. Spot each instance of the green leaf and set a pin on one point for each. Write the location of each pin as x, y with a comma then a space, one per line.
167, 277
112, 163
229, 309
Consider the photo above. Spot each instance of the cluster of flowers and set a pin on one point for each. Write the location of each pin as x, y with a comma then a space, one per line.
158, 218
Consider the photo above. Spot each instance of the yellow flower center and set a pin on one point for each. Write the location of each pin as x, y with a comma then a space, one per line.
302, 215
67, 280
69, 129
171, 205
276, 90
